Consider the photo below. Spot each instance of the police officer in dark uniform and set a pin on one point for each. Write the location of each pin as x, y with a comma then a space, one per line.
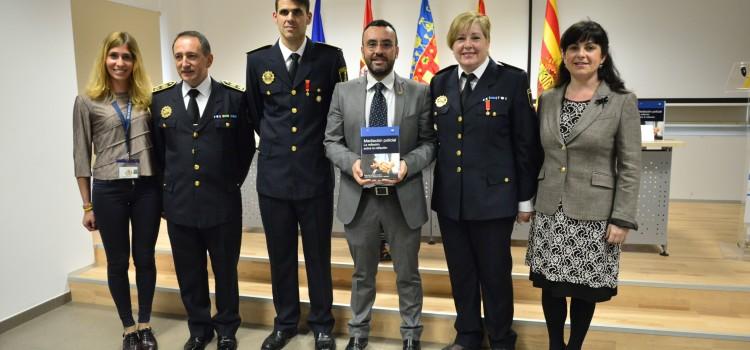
204, 142
487, 163
289, 86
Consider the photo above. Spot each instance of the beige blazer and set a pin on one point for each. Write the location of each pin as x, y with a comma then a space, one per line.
596, 175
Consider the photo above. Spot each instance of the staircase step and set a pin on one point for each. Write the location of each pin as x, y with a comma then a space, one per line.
666, 293
611, 323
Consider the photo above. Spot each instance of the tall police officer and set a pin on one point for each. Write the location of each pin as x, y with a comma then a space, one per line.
289, 88
203, 140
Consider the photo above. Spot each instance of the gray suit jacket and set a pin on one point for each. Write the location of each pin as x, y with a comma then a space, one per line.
417, 143
596, 175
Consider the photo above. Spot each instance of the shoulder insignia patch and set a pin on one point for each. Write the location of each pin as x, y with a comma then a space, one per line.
259, 49
163, 86
445, 69
328, 46
343, 74
234, 86
503, 64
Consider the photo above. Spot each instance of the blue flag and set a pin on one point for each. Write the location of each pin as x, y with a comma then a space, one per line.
317, 29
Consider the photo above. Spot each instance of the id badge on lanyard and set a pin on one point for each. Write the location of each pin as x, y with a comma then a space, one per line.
127, 168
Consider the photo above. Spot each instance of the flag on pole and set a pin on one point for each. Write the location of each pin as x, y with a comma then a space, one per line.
480, 8
317, 30
551, 53
424, 61
367, 20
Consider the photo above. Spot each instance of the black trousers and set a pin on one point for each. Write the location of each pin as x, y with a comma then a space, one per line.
189, 247
479, 266
118, 204
315, 219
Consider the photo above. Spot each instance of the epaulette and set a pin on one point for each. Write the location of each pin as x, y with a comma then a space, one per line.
163, 86
328, 46
234, 86
503, 64
446, 69
258, 49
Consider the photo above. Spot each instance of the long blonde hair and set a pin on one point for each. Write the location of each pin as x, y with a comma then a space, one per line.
99, 86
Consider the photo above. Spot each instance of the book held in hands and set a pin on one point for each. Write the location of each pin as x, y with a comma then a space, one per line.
381, 158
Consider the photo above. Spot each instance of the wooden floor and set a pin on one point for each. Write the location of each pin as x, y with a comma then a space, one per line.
696, 298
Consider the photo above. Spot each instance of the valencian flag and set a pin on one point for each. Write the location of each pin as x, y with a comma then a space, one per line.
551, 53
424, 62
317, 31
480, 8
367, 20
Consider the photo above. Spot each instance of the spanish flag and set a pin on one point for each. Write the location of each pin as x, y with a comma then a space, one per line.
551, 53
424, 62
367, 20
480, 8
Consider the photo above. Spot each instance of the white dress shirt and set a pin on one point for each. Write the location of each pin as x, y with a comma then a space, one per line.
477, 72
202, 99
287, 53
390, 96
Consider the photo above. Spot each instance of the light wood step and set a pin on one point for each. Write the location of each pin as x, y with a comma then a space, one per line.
613, 326
675, 294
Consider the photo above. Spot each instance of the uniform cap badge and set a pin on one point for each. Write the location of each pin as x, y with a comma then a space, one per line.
441, 100
166, 111
268, 77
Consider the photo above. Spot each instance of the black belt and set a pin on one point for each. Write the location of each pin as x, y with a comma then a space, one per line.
381, 190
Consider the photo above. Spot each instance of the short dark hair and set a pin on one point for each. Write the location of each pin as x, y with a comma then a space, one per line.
301, 3
380, 23
585, 31
205, 46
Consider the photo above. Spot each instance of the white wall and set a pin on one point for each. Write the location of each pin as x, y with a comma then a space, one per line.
41, 238
236, 26
663, 48
709, 167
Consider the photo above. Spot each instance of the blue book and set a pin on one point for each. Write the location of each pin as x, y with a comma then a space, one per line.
381, 158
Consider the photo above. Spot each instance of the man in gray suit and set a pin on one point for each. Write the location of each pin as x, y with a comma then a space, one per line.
366, 206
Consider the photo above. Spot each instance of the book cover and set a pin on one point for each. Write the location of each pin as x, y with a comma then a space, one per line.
652, 119
381, 158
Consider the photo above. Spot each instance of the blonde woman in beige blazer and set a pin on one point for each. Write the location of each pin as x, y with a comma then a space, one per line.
588, 186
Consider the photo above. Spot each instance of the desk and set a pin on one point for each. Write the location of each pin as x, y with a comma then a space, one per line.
653, 206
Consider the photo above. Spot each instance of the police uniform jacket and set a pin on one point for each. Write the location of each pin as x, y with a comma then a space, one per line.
489, 154
202, 166
290, 117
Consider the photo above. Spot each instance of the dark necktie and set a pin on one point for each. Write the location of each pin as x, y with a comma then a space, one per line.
293, 66
192, 110
466, 92
378, 108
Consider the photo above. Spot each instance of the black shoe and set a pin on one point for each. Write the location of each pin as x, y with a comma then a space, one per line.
324, 341
411, 344
277, 340
385, 255
198, 343
147, 339
356, 343
130, 341
454, 346
226, 343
